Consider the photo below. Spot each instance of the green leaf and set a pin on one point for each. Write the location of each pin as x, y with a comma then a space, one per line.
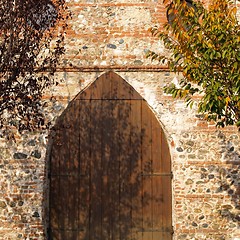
208, 55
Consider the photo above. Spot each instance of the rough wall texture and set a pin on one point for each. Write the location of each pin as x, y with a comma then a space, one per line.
113, 35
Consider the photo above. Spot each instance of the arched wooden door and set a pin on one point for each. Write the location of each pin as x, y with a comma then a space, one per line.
110, 171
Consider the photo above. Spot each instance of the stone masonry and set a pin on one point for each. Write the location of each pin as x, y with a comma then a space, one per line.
113, 35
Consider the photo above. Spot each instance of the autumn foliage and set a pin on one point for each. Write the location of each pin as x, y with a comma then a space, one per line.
204, 45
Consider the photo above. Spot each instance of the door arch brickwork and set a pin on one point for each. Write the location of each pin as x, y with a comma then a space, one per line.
110, 167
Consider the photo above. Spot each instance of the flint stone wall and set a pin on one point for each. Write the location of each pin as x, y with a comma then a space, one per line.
113, 35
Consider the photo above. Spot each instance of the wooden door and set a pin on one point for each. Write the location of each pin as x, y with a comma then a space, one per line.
110, 169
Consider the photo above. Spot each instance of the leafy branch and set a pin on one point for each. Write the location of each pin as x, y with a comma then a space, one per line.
204, 45
31, 42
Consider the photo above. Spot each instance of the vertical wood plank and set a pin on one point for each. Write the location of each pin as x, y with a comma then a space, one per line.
110, 171
136, 164
166, 185
95, 230
65, 127
124, 143
156, 145
157, 205
65, 174
73, 169
84, 170
147, 170
106, 148
114, 173
157, 184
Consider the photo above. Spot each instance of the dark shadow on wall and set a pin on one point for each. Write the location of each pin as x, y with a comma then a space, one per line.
230, 176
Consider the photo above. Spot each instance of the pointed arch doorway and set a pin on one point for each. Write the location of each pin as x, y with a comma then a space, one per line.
110, 168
